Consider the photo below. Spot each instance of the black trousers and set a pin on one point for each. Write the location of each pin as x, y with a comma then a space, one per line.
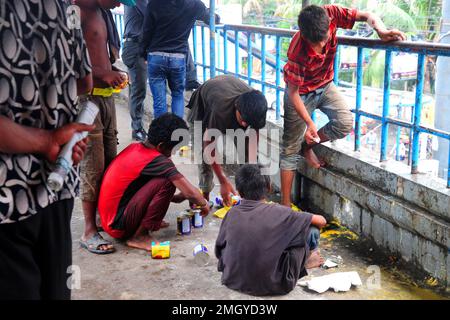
35, 255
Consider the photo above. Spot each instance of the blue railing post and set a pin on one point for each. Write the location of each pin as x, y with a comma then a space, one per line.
359, 85
263, 63
386, 95
448, 169
194, 40
277, 77
417, 113
249, 58
203, 53
225, 50
236, 51
398, 136
212, 38
337, 59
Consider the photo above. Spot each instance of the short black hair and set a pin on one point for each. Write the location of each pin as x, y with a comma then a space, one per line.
253, 108
161, 130
251, 184
314, 23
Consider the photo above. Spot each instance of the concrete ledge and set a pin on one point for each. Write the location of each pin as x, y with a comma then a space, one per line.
407, 215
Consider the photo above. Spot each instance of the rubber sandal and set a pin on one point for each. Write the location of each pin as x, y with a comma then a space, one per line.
93, 244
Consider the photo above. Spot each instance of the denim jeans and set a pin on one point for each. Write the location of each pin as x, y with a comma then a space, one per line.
313, 238
168, 68
138, 78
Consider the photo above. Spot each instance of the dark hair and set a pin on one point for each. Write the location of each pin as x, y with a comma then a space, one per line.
251, 184
314, 23
161, 130
253, 108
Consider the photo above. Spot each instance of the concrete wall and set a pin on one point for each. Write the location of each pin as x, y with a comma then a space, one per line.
404, 214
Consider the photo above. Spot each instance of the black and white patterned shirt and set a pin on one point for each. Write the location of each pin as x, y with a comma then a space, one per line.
41, 58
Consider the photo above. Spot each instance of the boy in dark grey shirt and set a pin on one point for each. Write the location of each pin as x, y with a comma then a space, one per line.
263, 249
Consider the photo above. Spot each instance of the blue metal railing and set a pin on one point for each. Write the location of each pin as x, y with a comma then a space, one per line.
422, 49
232, 34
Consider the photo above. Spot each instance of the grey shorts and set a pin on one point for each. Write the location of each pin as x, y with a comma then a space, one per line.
329, 100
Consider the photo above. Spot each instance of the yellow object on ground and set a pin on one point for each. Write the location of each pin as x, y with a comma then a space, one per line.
222, 212
335, 230
161, 250
295, 208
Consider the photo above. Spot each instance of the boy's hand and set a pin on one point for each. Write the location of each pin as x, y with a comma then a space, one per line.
226, 189
114, 78
391, 35
311, 134
205, 210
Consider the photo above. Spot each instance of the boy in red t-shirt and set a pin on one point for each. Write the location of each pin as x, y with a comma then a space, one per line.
309, 78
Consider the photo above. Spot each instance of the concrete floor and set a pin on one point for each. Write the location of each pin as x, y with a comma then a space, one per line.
133, 274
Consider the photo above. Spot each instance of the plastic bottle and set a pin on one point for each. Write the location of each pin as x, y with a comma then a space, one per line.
64, 162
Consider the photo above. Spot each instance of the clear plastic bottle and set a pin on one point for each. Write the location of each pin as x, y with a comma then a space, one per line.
64, 163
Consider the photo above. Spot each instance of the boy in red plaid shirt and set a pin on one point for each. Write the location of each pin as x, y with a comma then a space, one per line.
309, 78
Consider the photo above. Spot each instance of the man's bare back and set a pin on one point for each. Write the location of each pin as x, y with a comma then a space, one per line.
96, 36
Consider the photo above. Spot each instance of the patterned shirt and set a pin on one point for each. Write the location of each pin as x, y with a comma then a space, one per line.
41, 58
308, 69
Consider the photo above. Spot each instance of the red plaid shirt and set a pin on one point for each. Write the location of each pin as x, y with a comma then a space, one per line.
310, 70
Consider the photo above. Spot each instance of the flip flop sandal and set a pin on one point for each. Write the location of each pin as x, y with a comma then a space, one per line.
94, 243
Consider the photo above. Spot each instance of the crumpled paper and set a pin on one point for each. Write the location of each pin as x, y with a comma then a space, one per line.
340, 281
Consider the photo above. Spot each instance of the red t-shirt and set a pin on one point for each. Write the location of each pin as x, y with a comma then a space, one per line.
308, 69
127, 173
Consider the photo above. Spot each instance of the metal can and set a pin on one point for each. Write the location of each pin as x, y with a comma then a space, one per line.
197, 219
201, 255
184, 224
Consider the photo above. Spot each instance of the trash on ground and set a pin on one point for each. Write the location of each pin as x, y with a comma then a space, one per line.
328, 264
161, 250
340, 281
222, 212
201, 256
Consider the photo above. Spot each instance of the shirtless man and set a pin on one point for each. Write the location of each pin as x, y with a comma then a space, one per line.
103, 45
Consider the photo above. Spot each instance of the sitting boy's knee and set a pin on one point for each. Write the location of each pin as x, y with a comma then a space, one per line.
313, 237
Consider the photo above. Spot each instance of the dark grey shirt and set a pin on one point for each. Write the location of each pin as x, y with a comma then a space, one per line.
262, 248
134, 19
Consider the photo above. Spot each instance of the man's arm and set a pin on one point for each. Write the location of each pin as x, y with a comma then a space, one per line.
311, 129
375, 22
192, 194
226, 188
85, 85
18, 139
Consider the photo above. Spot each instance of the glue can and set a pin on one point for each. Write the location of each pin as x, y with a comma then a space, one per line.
197, 219
201, 256
184, 224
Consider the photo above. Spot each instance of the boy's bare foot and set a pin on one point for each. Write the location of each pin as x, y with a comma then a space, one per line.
143, 242
164, 224
312, 159
315, 260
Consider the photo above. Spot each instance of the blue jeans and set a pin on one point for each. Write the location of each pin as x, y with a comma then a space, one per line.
138, 82
162, 68
313, 238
